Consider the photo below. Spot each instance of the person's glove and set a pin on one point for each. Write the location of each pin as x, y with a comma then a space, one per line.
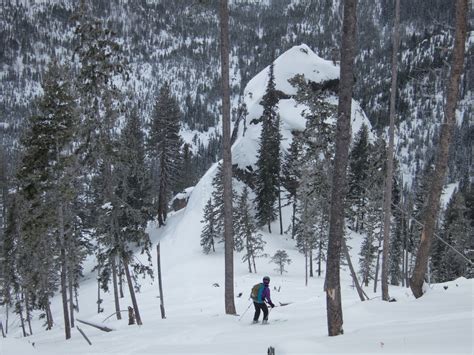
272, 305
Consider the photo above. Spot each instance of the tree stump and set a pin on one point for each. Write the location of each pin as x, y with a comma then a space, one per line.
131, 316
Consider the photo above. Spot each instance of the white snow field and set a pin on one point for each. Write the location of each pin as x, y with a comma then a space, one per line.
440, 322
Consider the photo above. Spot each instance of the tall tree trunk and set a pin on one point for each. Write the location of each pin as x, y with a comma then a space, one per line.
311, 274
248, 254
71, 304
71, 285
115, 287
320, 252
404, 249
7, 309
49, 316
67, 324
293, 221
64, 271
114, 234
160, 284
353, 273
306, 265
343, 138
132, 292
387, 203
162, 204
27, 310
407, 255
227, 159
279, 211
76, 301
120, 280
99, 300
22, 318
253, 262
377, 265
320, 256
432, 209
407, 275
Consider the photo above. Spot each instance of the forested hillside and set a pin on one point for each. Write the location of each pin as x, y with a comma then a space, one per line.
177, 42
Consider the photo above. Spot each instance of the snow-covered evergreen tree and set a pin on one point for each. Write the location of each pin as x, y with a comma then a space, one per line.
456, 230
46, 179
306, 228
102, 67
247, 238
396, 238
358, 179
315, 169
164, 146
290, 177
269, 156
209, 232
135, 209
218, 202
187, 176
11, 280
369, 250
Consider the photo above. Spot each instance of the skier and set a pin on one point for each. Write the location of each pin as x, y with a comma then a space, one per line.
260, 294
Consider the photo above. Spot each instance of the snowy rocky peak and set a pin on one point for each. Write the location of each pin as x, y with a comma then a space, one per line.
297, 60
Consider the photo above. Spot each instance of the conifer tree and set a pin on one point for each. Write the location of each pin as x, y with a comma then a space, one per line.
269, 157
369, 250
102, 66
421, 187
164, 147
209, 232
135, 210
306, 232
314, 168
218, 201
358, 178
281, 259
396, 235
290, 176
9, 256
246, 236
186, 173
46, 183
373, 191
456, 231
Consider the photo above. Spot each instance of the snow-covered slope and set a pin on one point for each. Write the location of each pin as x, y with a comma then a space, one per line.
439, 322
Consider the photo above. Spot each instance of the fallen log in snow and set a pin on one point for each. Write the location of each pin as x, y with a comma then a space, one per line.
95, 325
